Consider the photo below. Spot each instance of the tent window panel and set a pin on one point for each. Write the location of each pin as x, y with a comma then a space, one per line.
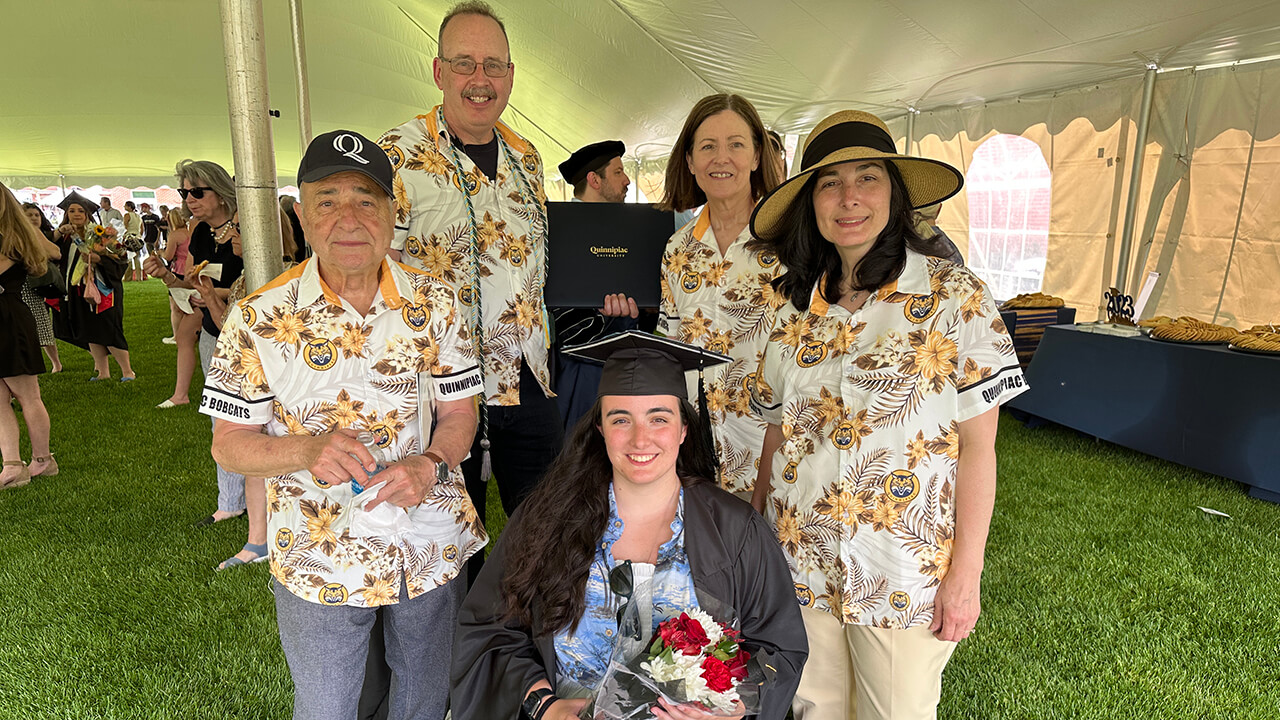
1038, 209
1009, 204
1018, 209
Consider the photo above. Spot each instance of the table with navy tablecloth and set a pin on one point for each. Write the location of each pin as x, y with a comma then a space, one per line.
1203, 406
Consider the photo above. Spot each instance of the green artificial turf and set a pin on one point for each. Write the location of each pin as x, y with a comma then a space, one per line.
1106, 593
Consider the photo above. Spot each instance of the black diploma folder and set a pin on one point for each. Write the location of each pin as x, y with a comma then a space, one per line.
595, 249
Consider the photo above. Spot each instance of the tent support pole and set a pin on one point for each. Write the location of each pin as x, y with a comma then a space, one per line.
300, 73
911, 130
636, 178
245, 49
1135, 177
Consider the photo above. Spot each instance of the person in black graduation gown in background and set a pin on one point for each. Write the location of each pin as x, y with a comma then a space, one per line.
638, 469
98, 328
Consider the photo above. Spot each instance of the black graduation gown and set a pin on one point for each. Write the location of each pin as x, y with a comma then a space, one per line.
733, 556
76, 321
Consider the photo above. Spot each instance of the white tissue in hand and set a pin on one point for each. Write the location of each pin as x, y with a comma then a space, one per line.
385, 521
182, 296
213, 272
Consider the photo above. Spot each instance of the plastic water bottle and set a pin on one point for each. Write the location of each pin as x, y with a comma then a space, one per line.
370, 443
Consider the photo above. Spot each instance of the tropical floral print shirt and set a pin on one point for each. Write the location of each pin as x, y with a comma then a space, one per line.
434, 233
297, 359
722, 303
583, 656
862, 492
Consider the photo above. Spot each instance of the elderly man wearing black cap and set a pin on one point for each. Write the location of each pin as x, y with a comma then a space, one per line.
352, 367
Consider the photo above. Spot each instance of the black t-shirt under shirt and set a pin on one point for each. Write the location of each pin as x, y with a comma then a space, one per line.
484, 156
203, 247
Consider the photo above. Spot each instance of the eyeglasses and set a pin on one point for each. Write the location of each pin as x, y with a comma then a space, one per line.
621, 583
195, 192
467, 66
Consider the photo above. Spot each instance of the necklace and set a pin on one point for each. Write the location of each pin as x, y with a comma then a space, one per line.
222, 231
857, 299
539, 222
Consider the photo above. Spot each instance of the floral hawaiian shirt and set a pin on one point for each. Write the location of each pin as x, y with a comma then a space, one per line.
723, 303
862, 491
583, 656
299, 360
434, 231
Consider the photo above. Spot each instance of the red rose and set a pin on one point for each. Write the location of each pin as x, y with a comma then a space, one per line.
738, 665
683, 634
716, 673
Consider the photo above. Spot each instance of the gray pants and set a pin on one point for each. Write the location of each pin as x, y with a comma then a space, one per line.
230, 485
327, 648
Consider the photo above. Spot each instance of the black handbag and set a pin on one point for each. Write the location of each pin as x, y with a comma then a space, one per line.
51, 285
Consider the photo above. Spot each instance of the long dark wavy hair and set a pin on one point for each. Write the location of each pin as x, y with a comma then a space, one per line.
549, 553
808, 256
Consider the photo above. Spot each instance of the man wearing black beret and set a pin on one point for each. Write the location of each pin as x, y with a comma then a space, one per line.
596, 174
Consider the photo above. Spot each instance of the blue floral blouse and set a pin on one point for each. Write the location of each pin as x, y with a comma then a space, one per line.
584, 655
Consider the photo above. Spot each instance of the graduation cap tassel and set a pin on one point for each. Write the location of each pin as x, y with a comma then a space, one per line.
707, 435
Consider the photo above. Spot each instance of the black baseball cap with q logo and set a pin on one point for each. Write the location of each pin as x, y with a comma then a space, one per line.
346, 151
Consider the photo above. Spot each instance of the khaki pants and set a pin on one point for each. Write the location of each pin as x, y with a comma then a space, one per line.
856, 671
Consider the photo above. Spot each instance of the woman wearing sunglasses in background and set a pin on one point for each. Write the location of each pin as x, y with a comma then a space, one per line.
209, 194
634, 483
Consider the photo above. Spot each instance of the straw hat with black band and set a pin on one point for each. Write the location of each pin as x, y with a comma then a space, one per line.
855, 135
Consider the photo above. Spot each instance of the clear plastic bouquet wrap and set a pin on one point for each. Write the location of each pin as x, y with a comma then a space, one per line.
694, 659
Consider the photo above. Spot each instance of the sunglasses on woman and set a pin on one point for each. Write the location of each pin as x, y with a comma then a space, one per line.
195, 192
621, 583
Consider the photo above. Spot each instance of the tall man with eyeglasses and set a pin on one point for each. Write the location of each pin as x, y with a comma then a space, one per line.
471, 209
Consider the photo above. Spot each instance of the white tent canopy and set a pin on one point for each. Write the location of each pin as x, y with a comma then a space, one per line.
104, 92
112, 92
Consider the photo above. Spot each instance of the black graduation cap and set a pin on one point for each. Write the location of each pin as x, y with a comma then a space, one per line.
637, 363
590, 158
75, 198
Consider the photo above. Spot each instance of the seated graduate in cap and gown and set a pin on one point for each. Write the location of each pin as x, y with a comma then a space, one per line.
633, 493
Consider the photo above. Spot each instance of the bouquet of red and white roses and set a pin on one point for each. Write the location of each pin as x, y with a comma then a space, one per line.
702, 658
692, 660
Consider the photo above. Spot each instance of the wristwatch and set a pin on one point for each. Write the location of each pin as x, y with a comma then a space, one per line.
537, 702
442, 467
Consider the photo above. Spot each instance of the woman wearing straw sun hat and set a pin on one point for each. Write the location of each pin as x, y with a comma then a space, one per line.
880, 385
